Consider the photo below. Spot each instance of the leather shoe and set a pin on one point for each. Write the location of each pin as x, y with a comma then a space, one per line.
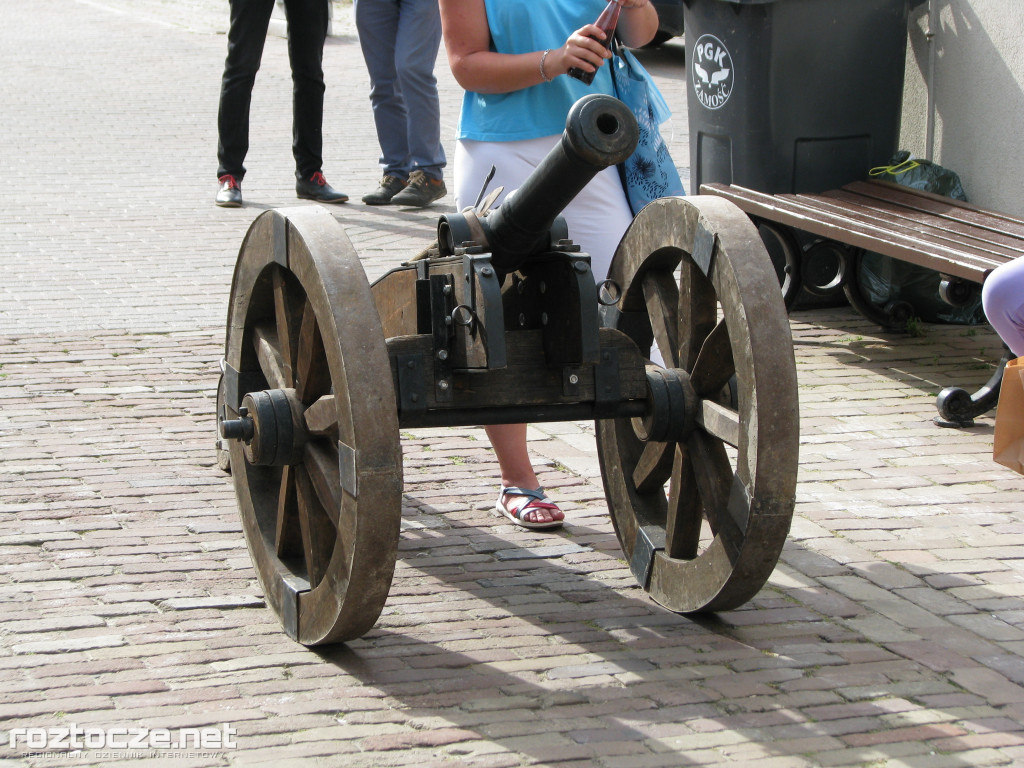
389, 187
317, 188
421, 191
230, 193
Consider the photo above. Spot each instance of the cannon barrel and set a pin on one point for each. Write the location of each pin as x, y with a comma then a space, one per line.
599, 131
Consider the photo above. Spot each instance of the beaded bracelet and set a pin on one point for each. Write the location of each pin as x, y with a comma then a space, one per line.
543, 74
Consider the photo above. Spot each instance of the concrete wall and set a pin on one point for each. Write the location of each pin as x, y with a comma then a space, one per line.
978, 96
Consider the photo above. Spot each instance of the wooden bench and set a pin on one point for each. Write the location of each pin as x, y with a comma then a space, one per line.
962, 242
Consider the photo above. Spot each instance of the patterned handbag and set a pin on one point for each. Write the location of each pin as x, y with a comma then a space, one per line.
649, 172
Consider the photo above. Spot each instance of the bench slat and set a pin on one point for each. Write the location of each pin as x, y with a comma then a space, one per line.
928, 226
947, 207
795, 211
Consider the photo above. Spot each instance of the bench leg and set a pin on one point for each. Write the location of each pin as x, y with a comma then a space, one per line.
957, 407
784, 250
894, 316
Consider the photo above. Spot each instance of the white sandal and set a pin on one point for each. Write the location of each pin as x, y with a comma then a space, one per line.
535, 500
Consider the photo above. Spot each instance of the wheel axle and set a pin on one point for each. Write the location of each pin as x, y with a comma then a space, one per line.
243, 428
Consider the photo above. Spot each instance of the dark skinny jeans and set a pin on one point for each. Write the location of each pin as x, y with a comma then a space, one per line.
307, 32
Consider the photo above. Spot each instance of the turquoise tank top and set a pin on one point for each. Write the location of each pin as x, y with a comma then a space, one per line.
522, 26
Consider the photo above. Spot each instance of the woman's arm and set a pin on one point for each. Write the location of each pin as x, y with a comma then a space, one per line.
467, 40
638, 23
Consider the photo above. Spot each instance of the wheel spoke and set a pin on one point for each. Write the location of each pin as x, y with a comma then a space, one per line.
720, 422
318, 537
312, 377
322, 418
283, 320
287, 538
712, 474
714, 479
321, 464
662, 298
654, 466
682, 524
269, 355
714, 366
697, 313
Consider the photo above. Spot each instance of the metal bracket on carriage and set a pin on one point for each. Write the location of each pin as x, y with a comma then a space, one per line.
442, 307
555, 294
478, 321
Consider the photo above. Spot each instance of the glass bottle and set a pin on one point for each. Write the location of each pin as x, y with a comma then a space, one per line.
606, 23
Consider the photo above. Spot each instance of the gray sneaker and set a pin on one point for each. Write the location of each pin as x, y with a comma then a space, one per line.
421, 191
389, 187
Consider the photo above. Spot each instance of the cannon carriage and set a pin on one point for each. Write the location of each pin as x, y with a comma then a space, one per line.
505, 323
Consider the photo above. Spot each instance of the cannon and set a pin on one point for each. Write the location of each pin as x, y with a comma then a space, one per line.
505, 323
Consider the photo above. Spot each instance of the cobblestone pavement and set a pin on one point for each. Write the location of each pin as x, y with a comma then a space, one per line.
891, 634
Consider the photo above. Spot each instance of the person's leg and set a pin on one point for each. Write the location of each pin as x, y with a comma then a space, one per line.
509, 443
307, 32
246, 35
377, 25
416, 47
513, 163
1002, 296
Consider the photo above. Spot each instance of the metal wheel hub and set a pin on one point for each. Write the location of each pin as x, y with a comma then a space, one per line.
672, 405
271, 426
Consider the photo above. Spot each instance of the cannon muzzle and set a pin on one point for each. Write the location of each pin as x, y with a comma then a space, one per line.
599, 131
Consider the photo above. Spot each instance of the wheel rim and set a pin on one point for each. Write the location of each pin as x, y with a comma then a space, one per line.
723, 330
322, 526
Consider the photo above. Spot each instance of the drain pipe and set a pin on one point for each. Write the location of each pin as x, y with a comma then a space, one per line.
933, 23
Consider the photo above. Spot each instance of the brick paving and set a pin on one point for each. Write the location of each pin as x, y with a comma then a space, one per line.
891, 634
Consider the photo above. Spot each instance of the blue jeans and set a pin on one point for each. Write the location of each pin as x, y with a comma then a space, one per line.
307, 31
400, 40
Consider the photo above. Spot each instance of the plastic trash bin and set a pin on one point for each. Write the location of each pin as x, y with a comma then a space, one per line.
791, 96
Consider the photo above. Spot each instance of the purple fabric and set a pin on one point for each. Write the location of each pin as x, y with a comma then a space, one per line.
1002, 297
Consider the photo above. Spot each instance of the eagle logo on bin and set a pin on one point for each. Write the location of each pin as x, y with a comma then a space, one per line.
712, 72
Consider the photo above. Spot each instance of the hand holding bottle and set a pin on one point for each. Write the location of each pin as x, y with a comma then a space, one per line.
602, 31
586, 49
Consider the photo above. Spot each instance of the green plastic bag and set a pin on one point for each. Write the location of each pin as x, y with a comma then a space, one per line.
883, 279
920, 174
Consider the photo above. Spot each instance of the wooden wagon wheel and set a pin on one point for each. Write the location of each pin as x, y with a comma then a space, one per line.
702, 489
311, 410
